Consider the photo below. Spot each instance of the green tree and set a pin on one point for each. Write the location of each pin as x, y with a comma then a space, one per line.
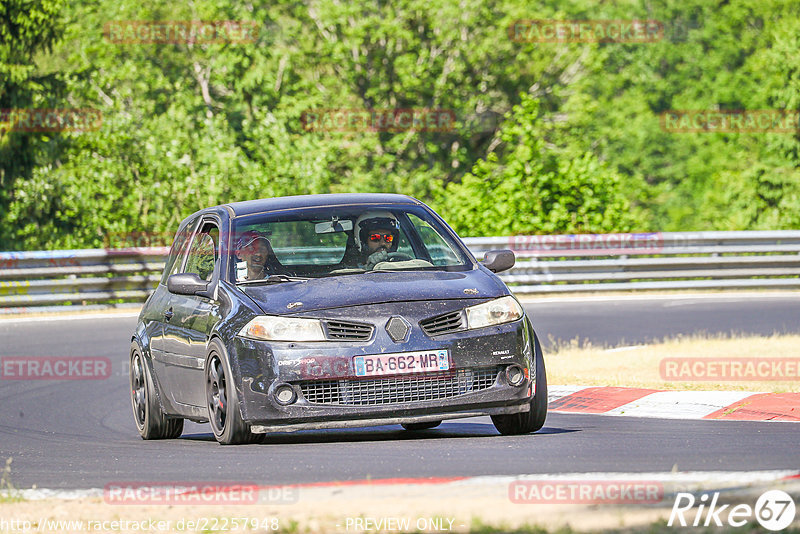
27, 28
535, 187
188, 125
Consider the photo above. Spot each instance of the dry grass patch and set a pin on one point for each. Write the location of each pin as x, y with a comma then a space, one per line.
639, 366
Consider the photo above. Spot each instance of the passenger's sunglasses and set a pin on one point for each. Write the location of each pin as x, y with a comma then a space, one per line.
377, 237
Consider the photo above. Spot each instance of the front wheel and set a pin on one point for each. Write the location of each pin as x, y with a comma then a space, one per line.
533, 420
224, 412
150, 420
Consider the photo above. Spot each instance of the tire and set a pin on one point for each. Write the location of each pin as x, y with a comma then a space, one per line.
533, 420
420, 426
151, 422
224, 411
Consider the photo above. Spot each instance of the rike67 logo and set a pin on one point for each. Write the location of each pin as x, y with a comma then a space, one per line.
774, 510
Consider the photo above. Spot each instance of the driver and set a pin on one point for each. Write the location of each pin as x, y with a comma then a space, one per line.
376, 234
256, 255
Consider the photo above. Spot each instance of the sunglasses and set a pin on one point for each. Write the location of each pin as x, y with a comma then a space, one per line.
377, 237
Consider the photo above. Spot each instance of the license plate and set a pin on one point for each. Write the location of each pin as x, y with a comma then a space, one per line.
402, 363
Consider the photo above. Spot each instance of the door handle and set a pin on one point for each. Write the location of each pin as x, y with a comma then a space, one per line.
168, 314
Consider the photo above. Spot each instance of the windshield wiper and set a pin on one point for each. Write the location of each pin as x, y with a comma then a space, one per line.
410, 270
344, 272
273, 279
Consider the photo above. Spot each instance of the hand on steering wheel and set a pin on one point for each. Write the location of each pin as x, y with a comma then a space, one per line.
398, 256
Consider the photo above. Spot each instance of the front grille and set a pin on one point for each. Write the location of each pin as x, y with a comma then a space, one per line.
401, 389
348, 331
442, 324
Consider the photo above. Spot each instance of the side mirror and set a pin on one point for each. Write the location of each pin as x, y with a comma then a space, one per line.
186, 284
498, 261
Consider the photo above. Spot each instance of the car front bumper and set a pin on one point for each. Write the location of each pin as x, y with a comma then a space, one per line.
327, 394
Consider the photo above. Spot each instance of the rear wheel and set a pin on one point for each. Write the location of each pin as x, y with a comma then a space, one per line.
224, 412
151, 422
421, 426
533, 420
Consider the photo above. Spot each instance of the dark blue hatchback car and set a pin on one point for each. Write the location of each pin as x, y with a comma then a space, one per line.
331, 311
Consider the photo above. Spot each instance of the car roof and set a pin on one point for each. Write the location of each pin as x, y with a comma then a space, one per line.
250, 207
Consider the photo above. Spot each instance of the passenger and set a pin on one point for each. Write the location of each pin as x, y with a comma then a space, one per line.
256, 255
376, 234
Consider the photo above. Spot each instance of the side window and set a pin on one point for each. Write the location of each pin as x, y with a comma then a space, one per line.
439, 250
403, 245
177, 251
202, 255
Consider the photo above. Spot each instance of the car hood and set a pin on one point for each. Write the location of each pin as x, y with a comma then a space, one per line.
373, 288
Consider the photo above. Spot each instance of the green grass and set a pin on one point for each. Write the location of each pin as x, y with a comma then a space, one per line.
8, 493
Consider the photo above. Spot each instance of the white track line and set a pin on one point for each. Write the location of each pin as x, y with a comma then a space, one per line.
718, 479
741, 296
70, 317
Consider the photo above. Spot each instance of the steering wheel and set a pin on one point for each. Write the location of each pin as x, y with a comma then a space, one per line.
398, 256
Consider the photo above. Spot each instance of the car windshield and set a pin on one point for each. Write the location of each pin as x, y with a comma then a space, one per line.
342, 240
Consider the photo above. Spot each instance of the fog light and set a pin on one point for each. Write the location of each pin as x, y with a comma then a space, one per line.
284, 394
515, 375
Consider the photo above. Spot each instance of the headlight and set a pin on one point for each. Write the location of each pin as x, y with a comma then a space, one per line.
274, 328
499, 311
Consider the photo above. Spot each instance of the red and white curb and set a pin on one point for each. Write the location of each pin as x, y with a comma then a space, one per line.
635, 402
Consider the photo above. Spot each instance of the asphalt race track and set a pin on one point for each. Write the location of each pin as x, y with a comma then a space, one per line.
631, 320
80, 434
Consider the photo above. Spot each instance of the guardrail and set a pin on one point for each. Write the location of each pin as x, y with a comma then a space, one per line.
650, 261
545, 264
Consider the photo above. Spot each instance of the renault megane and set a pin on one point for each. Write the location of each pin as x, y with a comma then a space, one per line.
331, 311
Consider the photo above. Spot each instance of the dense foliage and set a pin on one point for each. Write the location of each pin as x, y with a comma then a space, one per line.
550, 137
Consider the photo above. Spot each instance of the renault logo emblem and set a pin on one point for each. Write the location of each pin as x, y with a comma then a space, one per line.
398, 328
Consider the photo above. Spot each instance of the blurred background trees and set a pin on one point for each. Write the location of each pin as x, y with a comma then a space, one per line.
549, 137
